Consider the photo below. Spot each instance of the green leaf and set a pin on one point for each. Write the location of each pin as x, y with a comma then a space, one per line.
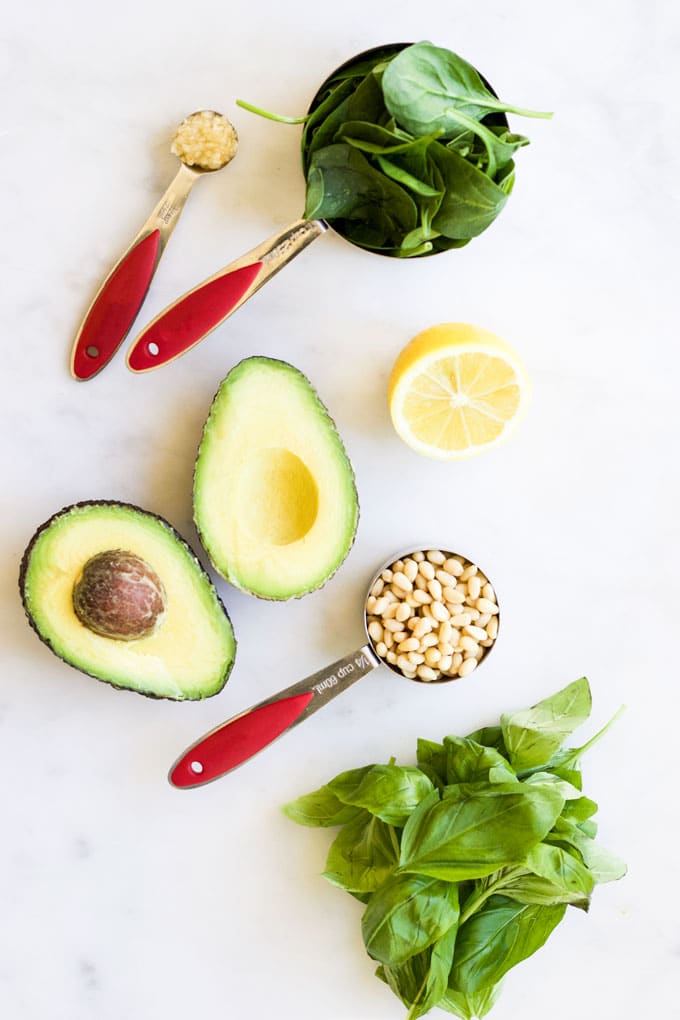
603, 865
431, 758
406, 915
320, 808
568, 790
470, 1007
470, 762
496, 938
426, 88
471, 200
473, 832
363, 855
421, 981
532, 736
490, 736
390, 792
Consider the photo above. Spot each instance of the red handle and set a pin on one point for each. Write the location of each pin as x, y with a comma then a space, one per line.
189, 319
237, 741
114, 309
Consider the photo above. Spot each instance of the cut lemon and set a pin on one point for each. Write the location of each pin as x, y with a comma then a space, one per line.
456, 390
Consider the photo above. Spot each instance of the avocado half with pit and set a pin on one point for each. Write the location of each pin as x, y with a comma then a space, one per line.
115, 591
275, 501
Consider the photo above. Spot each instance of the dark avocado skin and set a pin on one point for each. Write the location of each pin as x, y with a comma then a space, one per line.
128, 506
331, 421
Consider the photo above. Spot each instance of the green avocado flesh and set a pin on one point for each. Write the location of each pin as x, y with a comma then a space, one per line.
190, 652
275, 502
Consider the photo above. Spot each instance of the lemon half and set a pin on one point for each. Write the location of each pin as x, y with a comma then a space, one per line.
456, 390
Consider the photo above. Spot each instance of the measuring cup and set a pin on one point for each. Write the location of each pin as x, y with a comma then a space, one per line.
239, 738
186, 322
121, 295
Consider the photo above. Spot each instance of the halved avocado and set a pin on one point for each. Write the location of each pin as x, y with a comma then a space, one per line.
275, 501
117, 593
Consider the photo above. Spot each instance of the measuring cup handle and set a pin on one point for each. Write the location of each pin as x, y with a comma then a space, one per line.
183, 324
241, 737
121, 295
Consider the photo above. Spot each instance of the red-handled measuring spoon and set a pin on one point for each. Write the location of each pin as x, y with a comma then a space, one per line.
237, 740
205, 136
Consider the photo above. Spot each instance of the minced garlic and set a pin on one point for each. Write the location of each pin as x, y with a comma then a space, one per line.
206, 140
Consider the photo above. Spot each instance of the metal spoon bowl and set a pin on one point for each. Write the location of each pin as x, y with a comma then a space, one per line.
235, 741
120, 297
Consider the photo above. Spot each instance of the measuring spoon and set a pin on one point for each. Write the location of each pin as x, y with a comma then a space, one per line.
121, 295
235, 741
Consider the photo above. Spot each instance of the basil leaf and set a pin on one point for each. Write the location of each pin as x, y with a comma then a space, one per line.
363, 855
473, 832
421, 981
568, 790
533, 735
425, 87
470, 1007
431, 758
469, 762
320, 808
390, 792
602, 864
490, 736
406, 915
496, 938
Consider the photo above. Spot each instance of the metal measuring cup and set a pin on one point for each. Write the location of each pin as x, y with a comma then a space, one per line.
235, 741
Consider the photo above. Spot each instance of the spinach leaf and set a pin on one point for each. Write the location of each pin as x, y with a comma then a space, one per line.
363, 855
473, 832
533, 735
406, 915
427, 87
390, 792
320, 808
471, 201
470, 1006
496, 938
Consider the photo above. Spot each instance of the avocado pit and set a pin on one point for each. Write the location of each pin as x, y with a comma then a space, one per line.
119, 595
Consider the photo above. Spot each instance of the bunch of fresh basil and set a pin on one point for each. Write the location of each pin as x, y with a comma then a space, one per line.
467, 862
408, 153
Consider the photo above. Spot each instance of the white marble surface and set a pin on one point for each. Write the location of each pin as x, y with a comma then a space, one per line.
120, 897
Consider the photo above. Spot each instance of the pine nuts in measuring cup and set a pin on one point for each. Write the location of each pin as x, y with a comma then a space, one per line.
445, 607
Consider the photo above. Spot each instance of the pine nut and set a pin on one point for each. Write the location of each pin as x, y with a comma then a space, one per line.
418, 556
401, 594
457, 660
397, 566
461, 620
403, 663
401, 581
388, 639
413, 622
445, 648
411, 601
468, 644
427, 673
380, 605
411, 644
427, 570
474, 588
469, 571
474, 614
377, 588
427, 612
435, 556
375, 631
420, 584
392, 625
435, 590
423, 597
445, 579
422, 627
467, 666
416, 658
492, 628
478, 633
486, 606
439, 611
453, 596
399, 636
429, 640
391, 612
444, 631
432, 656
444, 663
391, 658
386, 576
488, 592
453, 566
409, 674
411, 569
483, 619
403, 612
381, 649
371, 603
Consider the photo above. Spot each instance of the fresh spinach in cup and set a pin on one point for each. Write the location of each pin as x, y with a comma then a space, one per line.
467, 861
408, 152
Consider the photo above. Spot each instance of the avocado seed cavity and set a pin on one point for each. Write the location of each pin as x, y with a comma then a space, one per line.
118, 595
